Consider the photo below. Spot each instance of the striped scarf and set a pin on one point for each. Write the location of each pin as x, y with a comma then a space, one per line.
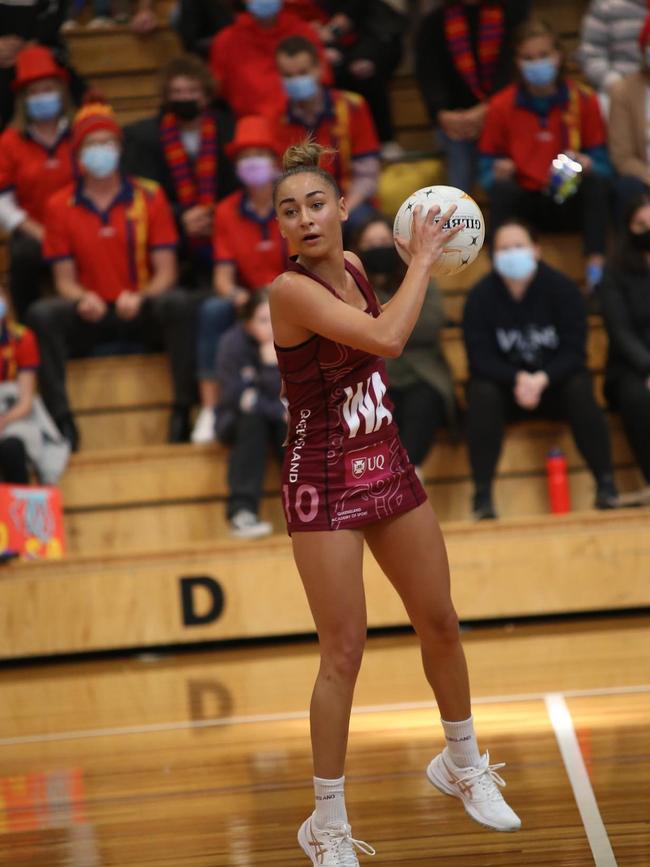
194, 184
490, 38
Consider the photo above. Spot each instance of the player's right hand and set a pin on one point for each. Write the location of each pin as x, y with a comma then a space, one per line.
429, 237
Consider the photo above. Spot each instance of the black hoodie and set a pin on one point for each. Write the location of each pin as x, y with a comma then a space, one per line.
546, 330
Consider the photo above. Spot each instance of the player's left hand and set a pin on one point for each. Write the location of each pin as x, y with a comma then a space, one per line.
128, 305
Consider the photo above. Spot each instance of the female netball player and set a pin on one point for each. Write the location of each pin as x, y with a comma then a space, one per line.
347, 478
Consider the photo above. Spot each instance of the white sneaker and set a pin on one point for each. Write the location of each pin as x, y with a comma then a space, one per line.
204, 426
333, 846
477, 788
246, 525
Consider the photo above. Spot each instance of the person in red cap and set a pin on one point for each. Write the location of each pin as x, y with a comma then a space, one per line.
35, 162
111, 241
628, 130
242, 56
248, 252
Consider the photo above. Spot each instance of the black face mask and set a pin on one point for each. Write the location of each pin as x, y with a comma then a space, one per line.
641, 240
381, 260
184, 109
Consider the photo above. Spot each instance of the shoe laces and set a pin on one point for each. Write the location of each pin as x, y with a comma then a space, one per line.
485, 775
343, 844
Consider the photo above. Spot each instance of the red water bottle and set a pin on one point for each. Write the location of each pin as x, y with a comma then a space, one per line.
559, 496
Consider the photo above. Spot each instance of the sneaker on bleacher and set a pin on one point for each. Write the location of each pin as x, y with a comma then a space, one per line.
246, 525
204, 426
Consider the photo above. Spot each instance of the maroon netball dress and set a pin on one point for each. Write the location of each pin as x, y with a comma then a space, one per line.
344, 466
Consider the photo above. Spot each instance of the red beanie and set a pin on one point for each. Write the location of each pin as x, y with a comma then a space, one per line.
644, 35
91, 118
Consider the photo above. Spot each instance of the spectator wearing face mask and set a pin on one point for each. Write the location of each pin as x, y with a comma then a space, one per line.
182, 148
249, 253
242, 57
35, 162
251, 417
334, 118
628, 129
525, 332
625, 302
111, 241
527, 125
421, 386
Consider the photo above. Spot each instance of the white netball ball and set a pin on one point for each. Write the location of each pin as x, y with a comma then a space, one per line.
465, 246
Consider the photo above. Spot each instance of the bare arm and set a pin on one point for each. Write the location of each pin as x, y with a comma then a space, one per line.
300, 307
65, 279
164, 272
23, 406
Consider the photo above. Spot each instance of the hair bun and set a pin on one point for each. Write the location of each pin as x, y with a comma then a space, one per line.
306, 154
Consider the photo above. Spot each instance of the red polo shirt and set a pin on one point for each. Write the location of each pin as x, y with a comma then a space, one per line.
32, 171
344, 124
253, 244
242, 60
513, 129
111, 250
18, 351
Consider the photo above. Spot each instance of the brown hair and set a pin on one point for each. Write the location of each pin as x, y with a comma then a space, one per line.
305, 157
293, 45
186, 66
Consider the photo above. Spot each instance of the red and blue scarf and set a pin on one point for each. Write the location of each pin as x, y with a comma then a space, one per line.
479, 78
194, 184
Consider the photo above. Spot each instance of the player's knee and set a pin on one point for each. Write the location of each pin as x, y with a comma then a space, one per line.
342, 658
441, 627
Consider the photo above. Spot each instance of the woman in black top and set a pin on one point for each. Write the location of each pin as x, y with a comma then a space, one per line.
525, 331
625, 299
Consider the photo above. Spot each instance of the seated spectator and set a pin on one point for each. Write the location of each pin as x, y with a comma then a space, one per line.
421, 386
363, 40
242, 56
527, 125
28, 437
464, 56
525, 332
200, 20
609, 47
24, 23
107, 13
625, 302
248, 249
111, 241
251, 418
35, 162
628, 130
334, 118
182, 148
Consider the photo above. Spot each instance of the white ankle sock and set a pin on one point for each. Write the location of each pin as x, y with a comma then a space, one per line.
330, 801
461, 742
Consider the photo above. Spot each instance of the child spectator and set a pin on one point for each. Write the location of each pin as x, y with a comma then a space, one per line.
421, 386
182, 148
628, 129
35, 162
527, 125
27, 434
525, 332
248, 250
625, 302
464, 56
609, 47
242, 56
111, 241
251, 417
334, 118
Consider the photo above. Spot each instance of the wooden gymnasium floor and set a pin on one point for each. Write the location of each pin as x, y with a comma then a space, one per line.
201, 759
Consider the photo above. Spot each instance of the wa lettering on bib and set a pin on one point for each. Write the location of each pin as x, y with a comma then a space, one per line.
364, 406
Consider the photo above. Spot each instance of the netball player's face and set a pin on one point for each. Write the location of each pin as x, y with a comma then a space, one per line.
310, 214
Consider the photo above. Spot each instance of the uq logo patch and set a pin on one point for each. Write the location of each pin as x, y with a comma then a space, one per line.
367, 465
364, 408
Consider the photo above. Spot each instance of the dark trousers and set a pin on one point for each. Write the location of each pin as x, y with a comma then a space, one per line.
491, 405
419, 412
632, 398
587, 211
28, 273
253, 436
168, 320
13, 461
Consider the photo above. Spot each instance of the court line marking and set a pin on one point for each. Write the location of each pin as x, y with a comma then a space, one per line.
565, 734
290, 716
